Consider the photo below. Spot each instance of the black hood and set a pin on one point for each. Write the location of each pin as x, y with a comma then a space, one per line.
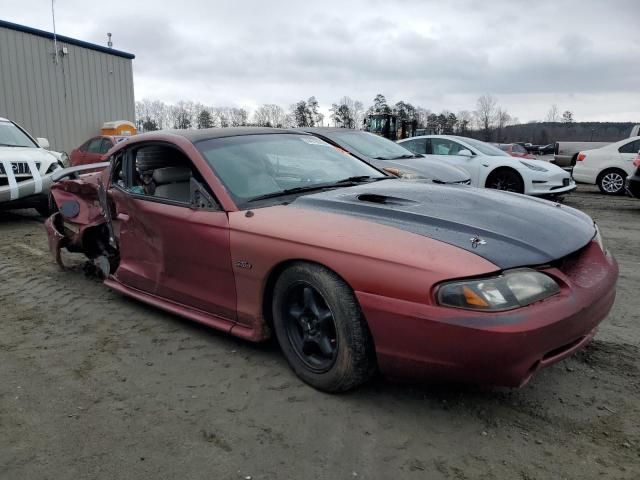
510, 230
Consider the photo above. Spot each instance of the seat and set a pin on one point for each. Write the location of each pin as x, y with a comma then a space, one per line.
173, 183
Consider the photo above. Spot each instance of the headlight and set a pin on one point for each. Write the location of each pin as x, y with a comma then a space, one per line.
598, 239
513, 289
534, 167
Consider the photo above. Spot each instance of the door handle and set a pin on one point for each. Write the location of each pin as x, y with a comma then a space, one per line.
123, 216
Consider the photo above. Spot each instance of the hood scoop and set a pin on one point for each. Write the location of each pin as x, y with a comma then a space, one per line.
384, 199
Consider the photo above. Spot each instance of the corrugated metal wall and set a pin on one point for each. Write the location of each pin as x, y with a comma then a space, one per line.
68, 102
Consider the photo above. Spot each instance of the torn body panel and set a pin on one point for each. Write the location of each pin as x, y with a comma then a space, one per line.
78, 222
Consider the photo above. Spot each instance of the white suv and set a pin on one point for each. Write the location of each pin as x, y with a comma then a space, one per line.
26, 168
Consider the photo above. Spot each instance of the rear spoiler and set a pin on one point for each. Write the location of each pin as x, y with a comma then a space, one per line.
74, 172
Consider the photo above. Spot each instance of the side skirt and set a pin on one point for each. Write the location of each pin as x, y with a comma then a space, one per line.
193, 314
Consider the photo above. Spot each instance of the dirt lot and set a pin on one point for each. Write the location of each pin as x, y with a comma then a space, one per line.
93, 385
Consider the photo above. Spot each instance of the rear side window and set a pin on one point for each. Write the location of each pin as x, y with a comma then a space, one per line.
95, 145
631, 147
106, 145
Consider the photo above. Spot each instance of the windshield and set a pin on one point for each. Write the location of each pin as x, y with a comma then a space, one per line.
371, 145
253, 166
12, 136
484, 148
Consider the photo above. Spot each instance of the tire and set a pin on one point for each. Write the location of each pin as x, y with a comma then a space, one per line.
47, 207
321, 329
505, 179
611, 181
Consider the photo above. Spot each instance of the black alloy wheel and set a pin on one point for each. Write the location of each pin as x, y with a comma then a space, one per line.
507, 180
310, 327
321, 329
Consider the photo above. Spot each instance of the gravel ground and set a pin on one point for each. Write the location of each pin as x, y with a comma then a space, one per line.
94, 385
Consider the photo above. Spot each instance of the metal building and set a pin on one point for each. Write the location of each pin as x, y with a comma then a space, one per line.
66, 95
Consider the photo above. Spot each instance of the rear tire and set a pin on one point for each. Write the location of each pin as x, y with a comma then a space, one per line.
611, 181
505, 179
321, 329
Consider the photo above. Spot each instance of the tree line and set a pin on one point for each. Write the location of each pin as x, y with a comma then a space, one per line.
489, 121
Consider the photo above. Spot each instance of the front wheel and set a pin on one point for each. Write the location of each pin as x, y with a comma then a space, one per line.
321, 329
505, 179
611, 182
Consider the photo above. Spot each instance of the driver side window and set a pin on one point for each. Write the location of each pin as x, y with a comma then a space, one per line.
162, 173
443, 146
418, 146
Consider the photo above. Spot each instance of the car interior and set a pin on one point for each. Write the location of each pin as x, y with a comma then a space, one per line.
157, 171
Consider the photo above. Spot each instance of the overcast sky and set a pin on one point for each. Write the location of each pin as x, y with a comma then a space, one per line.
580, 55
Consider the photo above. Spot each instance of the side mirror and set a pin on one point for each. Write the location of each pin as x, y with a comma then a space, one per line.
200, 198
465, 153
43, 142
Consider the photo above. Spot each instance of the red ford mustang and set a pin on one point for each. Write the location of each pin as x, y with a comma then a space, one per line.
262, 231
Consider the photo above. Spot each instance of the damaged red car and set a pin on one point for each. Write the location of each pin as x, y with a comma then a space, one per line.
261, 232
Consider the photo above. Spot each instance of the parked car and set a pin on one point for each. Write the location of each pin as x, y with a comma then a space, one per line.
490, 167
633, 181
389, 156
94, 150
546, 149
515, 150
566, 153
258, 231
608, 166
26, 168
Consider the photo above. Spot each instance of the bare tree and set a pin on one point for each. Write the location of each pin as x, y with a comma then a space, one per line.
465, 118
567, 117
486, 114
553, 115
422, 115
238, 117
502, 120
269, 115
348, 113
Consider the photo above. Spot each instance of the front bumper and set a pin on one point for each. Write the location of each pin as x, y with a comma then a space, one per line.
632, 185
507, 348
555, 186
25, 193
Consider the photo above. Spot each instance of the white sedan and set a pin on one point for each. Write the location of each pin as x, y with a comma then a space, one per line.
490, 167
608, 166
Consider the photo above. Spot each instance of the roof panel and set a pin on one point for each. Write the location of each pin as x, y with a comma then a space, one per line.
69, 40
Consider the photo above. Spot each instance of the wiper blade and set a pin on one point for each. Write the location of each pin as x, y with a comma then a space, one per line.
318, 186
8, 145
288, 191
406, 155
359, 178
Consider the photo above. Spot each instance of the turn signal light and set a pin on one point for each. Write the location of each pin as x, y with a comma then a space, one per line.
581, 157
